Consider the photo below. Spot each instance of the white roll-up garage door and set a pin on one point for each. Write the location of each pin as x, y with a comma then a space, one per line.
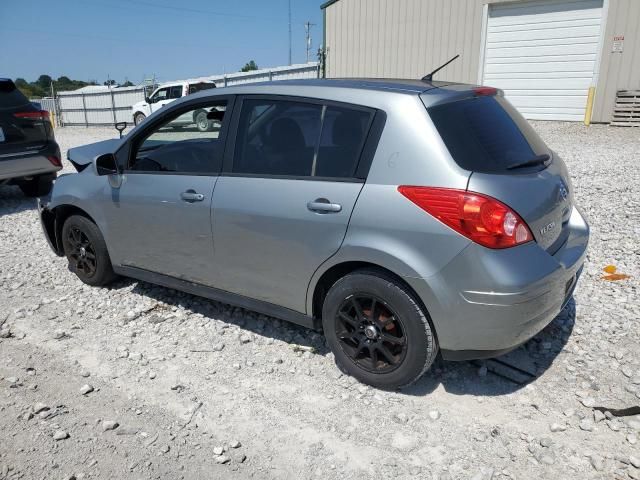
543, 55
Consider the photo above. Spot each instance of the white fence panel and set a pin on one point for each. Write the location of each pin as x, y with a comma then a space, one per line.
105, 107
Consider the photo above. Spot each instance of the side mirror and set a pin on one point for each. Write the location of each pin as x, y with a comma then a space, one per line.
106, 164
120, 126
147, 99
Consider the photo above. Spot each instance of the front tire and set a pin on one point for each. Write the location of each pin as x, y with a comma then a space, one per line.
377, 330
38, 186
86, 251
138, 118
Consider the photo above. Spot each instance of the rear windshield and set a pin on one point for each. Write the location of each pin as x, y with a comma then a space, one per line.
487, 134
196, 87
10, 96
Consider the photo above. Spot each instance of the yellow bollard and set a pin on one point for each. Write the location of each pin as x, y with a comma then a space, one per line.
588, 112
52, 118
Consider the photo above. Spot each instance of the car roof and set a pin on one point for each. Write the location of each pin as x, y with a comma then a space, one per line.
377, 84
357, 91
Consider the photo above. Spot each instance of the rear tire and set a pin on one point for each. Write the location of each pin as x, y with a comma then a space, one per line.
38, 186
203, 123
377, 330
138, 118
86, 251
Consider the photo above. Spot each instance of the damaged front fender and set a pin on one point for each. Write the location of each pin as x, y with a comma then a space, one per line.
48, 223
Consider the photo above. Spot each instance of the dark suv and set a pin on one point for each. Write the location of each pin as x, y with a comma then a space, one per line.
29, 154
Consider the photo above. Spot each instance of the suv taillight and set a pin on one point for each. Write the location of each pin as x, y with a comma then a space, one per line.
37, 115
478, 217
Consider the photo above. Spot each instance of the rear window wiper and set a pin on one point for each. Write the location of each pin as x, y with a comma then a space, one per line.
537, 160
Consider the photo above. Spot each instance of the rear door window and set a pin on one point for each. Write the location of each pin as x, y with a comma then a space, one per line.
289, 138
486, 134
196, 87
175, 92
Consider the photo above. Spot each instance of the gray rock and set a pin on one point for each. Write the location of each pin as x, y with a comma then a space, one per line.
235, 444
39, 407
222, 459
586, 425
557, 427
245, 339
5, 333
156, 319
218, 450
598, 416
109, 425
86, 389
434, 414
546, 442
59, 334
597, 463
60, 435
635, 461
217, 347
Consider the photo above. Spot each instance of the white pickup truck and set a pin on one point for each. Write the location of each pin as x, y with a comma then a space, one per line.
167, 93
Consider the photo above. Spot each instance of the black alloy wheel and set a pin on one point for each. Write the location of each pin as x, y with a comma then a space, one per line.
371, 334
81, 252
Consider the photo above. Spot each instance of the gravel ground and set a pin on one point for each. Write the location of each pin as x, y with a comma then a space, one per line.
137, 381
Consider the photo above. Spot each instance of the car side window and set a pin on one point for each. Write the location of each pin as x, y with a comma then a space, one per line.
175, 92
289, 138
160, 95
277, 137
188, 142
344, 131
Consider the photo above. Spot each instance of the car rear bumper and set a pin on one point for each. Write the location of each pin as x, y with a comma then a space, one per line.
30, 163
491, 301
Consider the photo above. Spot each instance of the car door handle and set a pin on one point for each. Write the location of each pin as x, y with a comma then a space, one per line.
322, 205
191, 196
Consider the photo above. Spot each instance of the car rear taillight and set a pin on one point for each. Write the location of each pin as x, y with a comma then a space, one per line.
55, 160
37, 115
478, 217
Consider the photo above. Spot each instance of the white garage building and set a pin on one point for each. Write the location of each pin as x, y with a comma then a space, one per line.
547, 55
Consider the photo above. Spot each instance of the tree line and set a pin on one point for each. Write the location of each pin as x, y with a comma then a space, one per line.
42, 86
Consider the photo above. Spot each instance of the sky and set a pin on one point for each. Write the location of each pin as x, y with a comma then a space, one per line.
100, 39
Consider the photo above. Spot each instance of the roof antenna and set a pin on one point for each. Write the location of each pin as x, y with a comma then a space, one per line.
429, 76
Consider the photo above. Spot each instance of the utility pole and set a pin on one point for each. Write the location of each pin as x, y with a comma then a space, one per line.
307, 29
290, 32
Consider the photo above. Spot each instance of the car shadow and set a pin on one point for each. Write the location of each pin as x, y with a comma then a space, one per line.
506, 374
493, 377
300, 338
12, 201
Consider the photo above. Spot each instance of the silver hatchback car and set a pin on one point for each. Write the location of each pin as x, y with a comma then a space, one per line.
403, 218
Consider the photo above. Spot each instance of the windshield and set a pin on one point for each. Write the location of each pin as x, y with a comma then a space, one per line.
487, 134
